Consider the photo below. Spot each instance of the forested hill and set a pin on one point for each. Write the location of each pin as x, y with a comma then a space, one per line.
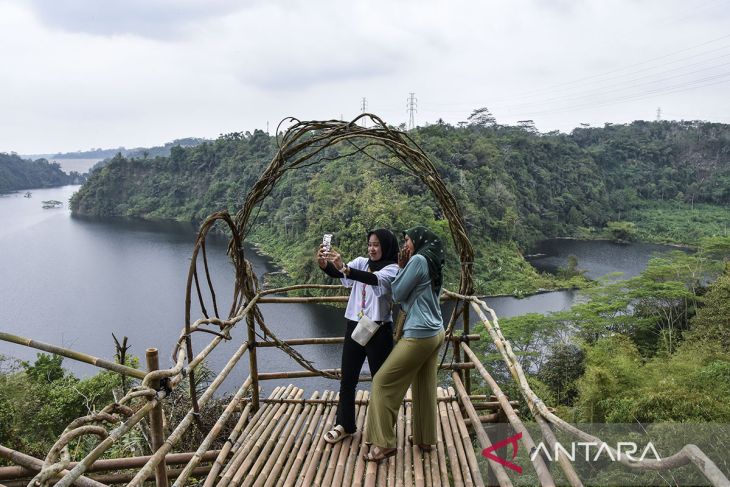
17, 173
515, 185
160, 150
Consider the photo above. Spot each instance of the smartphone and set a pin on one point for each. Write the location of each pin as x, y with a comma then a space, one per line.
327, 241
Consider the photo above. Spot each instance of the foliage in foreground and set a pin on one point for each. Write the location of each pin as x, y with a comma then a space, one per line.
39, 400
654, 348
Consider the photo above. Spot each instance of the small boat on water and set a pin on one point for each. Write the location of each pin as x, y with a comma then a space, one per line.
52, 204
28, 194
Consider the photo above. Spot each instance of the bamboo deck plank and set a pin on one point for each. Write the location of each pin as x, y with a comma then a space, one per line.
304, 441
283, 445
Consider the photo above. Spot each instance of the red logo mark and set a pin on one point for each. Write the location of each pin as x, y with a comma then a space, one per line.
512, 440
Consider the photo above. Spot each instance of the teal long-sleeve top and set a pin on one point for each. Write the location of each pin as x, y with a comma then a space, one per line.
412, 289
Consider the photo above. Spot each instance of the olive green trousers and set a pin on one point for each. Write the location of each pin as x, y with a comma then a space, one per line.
413, 362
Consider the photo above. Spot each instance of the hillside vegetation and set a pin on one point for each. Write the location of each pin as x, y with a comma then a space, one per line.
17, 174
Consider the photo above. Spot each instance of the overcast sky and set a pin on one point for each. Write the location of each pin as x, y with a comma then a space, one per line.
77, 74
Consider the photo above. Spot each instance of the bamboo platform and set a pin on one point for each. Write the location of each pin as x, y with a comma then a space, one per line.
283, 445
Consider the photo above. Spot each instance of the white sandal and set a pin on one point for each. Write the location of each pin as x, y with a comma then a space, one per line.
336, 434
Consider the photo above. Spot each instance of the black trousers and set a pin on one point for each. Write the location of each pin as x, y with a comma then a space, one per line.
353, 356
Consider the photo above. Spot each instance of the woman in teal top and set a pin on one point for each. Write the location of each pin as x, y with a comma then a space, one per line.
413, 361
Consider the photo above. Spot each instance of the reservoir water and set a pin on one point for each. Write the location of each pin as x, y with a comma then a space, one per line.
73, 282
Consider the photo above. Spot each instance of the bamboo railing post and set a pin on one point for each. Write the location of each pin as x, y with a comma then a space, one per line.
467, 372
156, 426
253, 364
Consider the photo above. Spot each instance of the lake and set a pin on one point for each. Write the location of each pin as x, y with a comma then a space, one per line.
73, 282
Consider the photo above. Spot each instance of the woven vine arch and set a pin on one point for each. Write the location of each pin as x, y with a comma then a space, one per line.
303, 141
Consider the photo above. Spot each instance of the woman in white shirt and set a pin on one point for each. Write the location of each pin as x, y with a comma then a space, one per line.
370, 278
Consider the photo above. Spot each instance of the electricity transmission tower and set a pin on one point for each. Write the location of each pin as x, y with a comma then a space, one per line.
411, 107
363, 109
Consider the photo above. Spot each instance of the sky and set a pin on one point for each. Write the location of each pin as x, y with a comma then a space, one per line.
82, 74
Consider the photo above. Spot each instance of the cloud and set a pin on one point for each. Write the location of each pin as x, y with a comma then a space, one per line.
156, 19
298, 47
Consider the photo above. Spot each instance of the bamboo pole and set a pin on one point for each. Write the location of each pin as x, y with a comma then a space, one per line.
116, 478
407, 450
258, 459
484, 440
310, 411
543, 473
155, 417
35, 464
296, 287
359, 469
449, 444
393, 465
304, 341
434, 464
286, 457
461, 448
441, 456
358, 440
246, 440
336, 466
323, 461
213, 433
245, 457
308, 473
487, 418
316, 299
358, 402
467, 373
419, 476
253, 363
471, 458
563, 460
223, 452
294, 374
493, 405
72, 354
400, 434
308, 436
343, 476
10, 473
335, 340
280, 452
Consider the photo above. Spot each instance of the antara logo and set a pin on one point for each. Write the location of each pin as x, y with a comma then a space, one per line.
593, 451
512, 440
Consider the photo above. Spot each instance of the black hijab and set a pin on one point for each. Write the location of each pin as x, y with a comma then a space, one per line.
427, 243
389, 246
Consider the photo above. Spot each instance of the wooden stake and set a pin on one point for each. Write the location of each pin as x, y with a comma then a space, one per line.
156, 426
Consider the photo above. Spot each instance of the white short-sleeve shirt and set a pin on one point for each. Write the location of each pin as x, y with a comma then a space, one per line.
374, 301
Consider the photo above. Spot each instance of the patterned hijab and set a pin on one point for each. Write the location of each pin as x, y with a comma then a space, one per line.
429, 245
389, 246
